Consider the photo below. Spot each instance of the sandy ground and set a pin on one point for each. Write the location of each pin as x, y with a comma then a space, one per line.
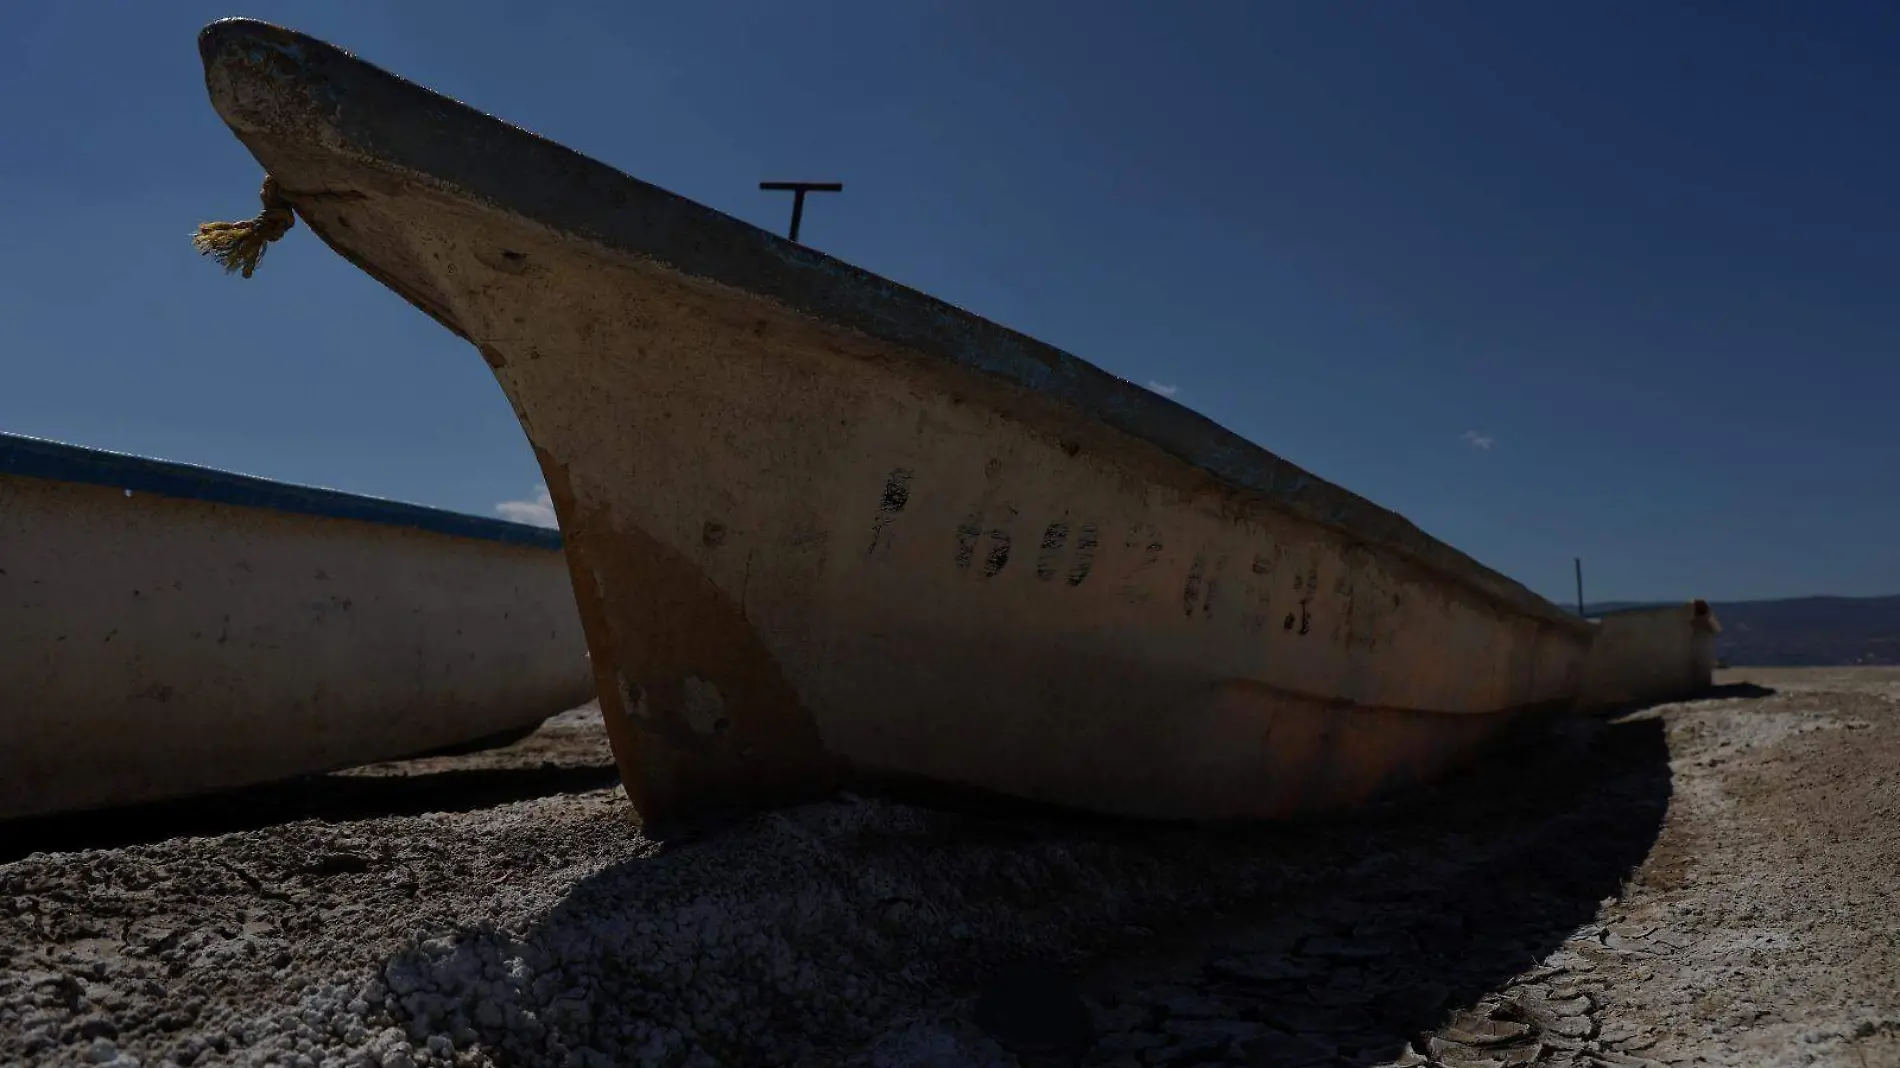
1705, 883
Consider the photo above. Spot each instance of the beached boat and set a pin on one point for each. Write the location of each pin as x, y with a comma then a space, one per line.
1651, 654
168, 630
824, 528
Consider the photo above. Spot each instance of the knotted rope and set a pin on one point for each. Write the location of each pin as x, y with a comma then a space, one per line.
237, 246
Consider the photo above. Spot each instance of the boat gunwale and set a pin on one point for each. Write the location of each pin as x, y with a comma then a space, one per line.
378, 118
55, 461
1701, 615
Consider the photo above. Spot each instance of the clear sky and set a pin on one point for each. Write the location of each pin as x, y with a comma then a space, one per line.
1612, 280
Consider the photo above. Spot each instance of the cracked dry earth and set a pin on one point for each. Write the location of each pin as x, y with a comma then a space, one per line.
1711, 882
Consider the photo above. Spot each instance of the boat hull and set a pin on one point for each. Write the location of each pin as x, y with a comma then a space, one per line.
161, 645
1650, 655
846, 533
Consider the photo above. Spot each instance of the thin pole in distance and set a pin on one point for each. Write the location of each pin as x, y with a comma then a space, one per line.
798, 191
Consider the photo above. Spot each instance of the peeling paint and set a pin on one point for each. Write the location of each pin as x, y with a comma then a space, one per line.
701, 705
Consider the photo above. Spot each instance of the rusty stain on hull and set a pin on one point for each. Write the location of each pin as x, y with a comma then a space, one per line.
695, 706
824, 528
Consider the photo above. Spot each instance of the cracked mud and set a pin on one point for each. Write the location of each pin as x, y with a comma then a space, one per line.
1703, 883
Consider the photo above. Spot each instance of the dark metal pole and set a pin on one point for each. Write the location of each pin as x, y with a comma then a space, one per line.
798, 191
798, 211
1580, 610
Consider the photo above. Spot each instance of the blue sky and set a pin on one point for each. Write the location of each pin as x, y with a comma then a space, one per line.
1615, 280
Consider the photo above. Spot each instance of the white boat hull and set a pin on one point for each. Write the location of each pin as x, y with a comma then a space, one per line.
162, 644
824, 528
1649, 655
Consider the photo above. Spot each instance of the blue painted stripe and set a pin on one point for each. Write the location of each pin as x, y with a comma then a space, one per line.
52, 460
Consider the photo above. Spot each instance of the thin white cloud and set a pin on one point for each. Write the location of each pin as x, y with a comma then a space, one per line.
1164, 389
1477, 440
537, 511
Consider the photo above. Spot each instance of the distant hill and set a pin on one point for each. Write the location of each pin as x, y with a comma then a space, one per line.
1801, 631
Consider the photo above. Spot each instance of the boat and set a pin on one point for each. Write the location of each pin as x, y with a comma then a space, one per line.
1649, 654
169, 630
829, 532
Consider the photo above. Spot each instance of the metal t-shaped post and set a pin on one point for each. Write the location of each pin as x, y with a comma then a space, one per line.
798, 191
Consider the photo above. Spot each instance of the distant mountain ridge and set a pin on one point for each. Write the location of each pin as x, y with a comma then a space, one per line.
1800, 631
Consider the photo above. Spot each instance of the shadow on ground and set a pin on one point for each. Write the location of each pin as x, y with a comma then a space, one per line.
821, 930
1728, 691
1736, 690
331, 798
1479, 881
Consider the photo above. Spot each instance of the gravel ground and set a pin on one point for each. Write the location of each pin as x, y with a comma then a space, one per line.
1710, 882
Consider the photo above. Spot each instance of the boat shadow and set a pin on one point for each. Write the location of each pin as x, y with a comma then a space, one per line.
1727, 691
1047, 932
332, 798
1735, 691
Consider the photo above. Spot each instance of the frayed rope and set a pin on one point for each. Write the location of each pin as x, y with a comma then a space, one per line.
238, 246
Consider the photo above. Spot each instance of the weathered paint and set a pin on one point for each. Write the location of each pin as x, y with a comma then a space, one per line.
160, 638
1653, 654
842, 507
